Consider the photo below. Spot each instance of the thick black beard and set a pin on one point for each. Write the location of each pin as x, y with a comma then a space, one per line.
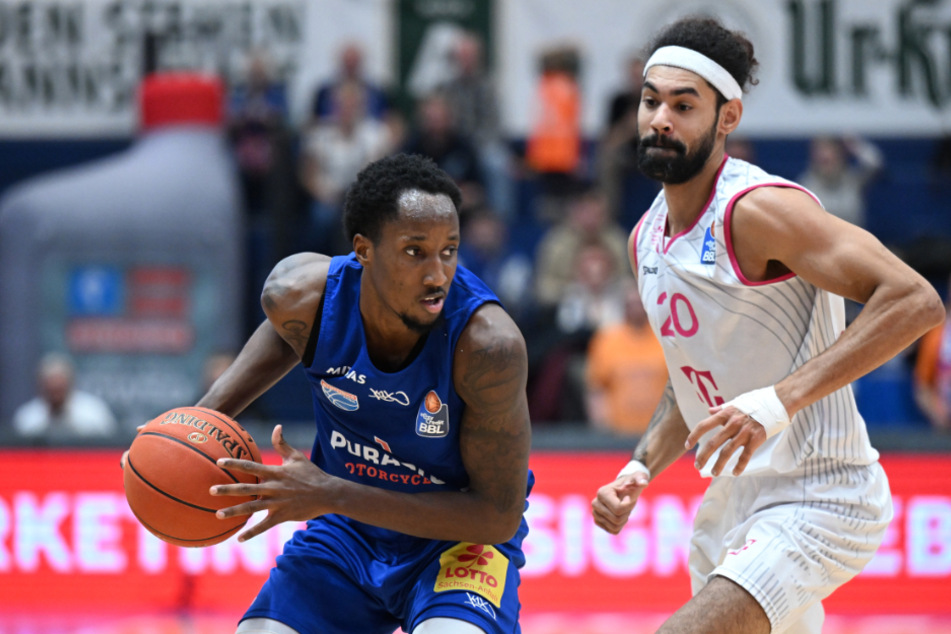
682, 167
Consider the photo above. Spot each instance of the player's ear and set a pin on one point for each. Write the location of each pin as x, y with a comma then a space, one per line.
362, 247
730, 114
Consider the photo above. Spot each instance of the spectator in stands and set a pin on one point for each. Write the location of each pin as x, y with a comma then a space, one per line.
215, 365
626, 371
350, 71
629, 193
625, 101
60, 409
486, 250
333, 151
740, 147
377, 101
839, 171
587, 222
593, 299
261, 138
258, 128
932, 375
436, 135
473, 101
554, 149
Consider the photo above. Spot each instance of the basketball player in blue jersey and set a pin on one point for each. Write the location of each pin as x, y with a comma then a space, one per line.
743, 276
416, 486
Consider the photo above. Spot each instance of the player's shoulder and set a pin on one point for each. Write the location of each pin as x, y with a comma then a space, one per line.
298, 278
490, 355
301, 267
774, 202
491, 328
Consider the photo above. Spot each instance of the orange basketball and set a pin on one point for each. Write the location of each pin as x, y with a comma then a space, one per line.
172, 464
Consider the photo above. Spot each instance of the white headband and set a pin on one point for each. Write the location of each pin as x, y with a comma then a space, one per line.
689, 59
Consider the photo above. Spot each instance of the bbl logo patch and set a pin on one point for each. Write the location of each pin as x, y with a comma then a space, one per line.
344, 400
475, 568
432, 419
709, 253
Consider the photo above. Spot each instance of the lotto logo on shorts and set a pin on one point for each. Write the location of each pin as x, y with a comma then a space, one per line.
432, 419
474, 568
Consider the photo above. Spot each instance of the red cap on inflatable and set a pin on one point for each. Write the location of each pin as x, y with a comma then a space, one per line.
176, 98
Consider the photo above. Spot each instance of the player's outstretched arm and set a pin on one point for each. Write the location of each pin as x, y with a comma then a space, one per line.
490, 370
778, 230
290, 298
782, 225
661, 444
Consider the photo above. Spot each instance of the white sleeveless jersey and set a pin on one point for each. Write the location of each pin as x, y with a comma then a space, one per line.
723, 334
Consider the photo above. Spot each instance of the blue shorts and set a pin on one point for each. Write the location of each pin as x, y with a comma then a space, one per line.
342, 576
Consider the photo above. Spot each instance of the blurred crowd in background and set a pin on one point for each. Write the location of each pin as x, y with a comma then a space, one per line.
545, 222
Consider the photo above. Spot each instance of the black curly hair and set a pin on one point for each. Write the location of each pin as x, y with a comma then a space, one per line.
730, 49
373, 199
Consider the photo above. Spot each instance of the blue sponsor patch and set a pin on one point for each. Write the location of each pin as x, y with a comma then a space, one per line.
344, 400
709, 253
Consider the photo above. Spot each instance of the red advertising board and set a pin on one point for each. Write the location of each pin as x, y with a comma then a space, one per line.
574, 565
67, 538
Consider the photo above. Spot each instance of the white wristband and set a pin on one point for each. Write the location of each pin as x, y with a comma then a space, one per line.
764, 407
633, 467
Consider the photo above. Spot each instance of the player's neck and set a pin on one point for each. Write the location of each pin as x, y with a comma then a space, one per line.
391, 344
686, 201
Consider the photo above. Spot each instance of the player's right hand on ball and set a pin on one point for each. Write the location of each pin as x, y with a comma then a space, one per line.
292, 491
612, 506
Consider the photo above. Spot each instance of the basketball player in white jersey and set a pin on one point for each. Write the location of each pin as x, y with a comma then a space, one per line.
743, 275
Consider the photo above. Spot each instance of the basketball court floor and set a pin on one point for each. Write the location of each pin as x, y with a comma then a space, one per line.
546, 623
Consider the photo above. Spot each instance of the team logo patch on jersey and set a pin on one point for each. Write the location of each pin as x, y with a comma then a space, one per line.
708, 255
474, 568
432, 420
344, 400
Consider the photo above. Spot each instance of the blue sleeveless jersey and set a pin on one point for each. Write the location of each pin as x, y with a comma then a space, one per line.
398, 431
392, 430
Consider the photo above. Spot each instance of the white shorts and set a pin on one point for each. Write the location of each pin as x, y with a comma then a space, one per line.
791, 540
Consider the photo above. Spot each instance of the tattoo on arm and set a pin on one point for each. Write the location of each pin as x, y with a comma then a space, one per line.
295, 332
491, 367
496, 424
667, 403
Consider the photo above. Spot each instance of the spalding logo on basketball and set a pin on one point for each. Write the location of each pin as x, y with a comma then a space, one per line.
197, 437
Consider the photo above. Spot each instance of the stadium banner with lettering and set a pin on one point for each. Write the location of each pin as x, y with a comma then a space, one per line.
427, 31
70, 68
68, 539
